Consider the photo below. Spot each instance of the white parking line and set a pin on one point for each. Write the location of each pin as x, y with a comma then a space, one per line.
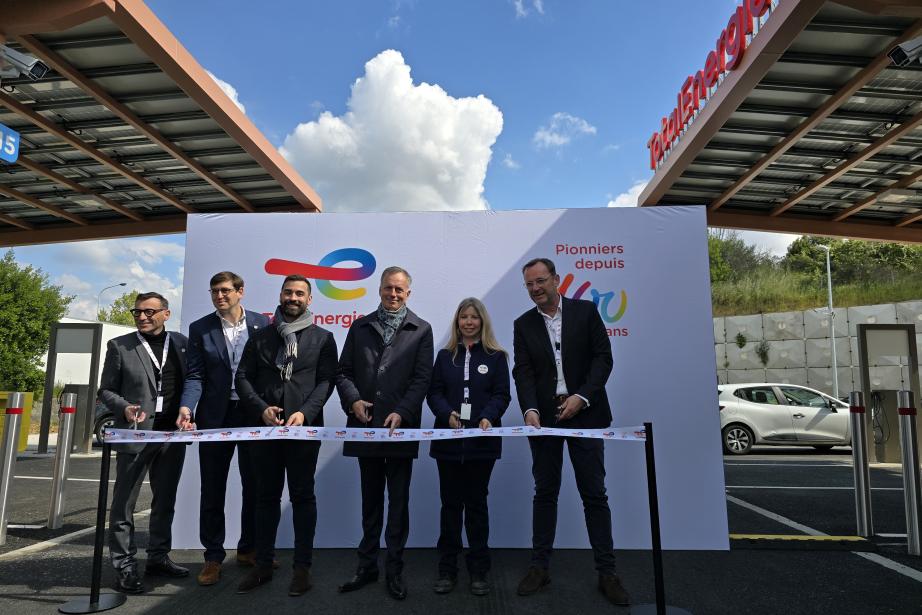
912, 573
81, 480
831, 464
47, 544
808, 488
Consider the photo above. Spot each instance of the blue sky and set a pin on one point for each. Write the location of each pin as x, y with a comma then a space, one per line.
529, 104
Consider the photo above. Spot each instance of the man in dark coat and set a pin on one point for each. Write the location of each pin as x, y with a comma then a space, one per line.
141, 384
383, 378
285, 377
562, 362
216, 343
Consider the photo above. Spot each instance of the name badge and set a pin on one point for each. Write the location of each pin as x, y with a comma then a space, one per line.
465, 412
159, 405
483, 369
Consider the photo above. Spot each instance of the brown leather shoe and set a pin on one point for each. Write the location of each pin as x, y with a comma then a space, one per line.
536, 579
610, 585
300, 581
210, 573
247, 559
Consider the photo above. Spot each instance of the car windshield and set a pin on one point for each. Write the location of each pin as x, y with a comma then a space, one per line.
802, 397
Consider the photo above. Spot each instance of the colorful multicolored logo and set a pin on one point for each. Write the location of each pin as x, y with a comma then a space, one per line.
325, 271
603, 301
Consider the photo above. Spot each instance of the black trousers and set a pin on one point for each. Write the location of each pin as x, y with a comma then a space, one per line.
214, 466
464, 486
164, 462
378, 473
273, 461
588, 459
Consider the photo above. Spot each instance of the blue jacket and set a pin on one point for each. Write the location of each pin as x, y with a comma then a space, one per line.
489, 398
208, 379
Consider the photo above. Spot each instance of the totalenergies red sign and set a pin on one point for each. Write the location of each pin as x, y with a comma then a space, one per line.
726, 56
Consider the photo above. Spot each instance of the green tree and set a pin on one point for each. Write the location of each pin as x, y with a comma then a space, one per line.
732, 258
29, 305
119, 312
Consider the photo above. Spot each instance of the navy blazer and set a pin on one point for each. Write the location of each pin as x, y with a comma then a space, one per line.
208, 379
489, 398
587, 363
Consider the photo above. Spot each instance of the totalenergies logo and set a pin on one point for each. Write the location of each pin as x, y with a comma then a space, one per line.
603, 301
325, 271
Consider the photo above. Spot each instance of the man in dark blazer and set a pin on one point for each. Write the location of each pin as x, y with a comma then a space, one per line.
285, 377
562, 362
383, 378
142, 380
216, 343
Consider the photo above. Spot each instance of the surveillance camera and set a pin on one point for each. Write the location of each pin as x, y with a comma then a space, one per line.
22, 64
907, 53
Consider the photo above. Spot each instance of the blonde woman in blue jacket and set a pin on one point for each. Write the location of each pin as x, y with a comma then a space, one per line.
469, 390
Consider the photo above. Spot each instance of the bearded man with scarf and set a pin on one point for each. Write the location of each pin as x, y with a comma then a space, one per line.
285, 377
382, 381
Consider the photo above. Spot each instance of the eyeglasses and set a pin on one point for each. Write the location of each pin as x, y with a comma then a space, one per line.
536, 282
221, 291
148, 312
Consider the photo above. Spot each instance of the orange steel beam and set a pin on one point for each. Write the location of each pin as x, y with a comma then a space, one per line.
16, 222
39, 169
903, 183
52, 128
104, 230
39, 204
883, 231
857, 82
851, 163
66, 69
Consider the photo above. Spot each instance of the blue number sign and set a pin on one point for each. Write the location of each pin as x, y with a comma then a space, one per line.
9, 144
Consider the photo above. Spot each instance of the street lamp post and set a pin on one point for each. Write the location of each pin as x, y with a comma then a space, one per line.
99, 296
832, 330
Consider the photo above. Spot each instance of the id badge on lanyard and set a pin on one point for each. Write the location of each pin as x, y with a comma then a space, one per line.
466, 402
158, 365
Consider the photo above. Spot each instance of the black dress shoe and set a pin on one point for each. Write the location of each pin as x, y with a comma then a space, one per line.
396, 587
128, 581
363, 576
254, 578
165, 568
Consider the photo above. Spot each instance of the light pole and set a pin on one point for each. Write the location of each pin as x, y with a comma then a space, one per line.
99, 296
832, 329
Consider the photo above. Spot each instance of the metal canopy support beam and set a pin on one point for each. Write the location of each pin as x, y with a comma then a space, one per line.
52, 128
883, 231
39, 204
15, 222
842, 169
36, 47
904, 182
156, 226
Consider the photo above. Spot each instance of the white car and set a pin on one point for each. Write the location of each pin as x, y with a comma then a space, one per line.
783, 414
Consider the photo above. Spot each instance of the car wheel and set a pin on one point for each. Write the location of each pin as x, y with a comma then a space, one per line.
102, 424
823, 447
737, 439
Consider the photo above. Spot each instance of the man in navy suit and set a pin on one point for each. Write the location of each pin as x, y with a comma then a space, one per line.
216, 344
562, 362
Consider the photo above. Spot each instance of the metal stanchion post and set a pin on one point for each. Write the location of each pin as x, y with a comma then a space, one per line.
8, 454
860, 464
910, 456
660, 608
96, 602
62, 460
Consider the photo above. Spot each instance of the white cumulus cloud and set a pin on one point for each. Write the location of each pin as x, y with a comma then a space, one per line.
228, 89
400, 146
510, 163
522, 10
629, 198
562, 129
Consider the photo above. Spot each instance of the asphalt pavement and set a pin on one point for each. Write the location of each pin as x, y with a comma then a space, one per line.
794, 492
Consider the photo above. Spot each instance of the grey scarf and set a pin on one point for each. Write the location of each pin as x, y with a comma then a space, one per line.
289, 352
391, 321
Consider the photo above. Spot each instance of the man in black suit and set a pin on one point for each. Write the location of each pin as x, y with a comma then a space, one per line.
562, 362
383, 379
285, 377
141, 384
216, 343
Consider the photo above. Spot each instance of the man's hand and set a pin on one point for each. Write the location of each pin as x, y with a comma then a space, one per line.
392, 422
454, 420
295, 420
133, 414
485, 424
360, 408
570, 407
270, 416
184, 420
533, 419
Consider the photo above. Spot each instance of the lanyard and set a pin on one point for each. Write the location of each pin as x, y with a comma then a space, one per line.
158, 365
467, 375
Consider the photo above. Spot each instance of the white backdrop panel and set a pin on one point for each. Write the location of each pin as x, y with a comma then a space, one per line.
662, 269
